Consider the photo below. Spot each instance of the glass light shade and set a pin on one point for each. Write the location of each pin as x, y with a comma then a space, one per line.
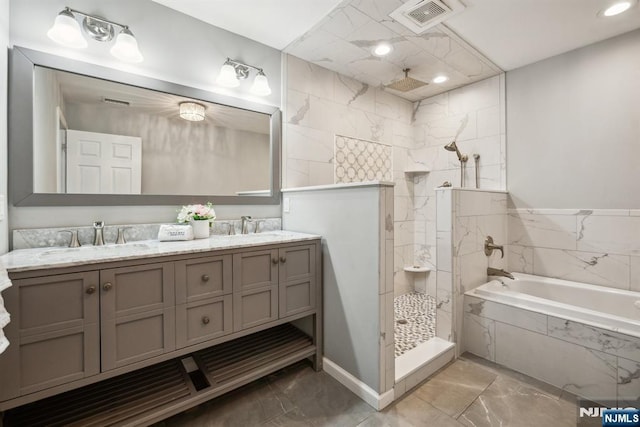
260, 85
617, 8
192, 111
66, 31
227, 76
126, 47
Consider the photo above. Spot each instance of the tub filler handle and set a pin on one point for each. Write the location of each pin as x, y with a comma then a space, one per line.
489, 247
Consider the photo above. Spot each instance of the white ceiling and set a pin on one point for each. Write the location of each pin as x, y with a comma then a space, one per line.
487, 36
275, 23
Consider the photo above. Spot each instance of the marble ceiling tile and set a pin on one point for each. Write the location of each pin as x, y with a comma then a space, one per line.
377, 9
345, 20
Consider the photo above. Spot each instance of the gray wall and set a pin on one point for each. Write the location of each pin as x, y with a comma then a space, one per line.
176, 47
348, 221
4, 43
573, 128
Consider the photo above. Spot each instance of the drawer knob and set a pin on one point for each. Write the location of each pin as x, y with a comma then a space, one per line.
91, 289
205, 278
107, 286
283, 259
205, 320
274, 261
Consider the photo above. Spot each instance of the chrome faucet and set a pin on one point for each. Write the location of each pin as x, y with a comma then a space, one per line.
489, 247
245, 224
499, 272
98, 226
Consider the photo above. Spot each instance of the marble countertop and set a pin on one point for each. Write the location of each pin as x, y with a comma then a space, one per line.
55, 257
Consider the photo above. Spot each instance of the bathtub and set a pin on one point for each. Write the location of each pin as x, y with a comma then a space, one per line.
578, 337
599, 306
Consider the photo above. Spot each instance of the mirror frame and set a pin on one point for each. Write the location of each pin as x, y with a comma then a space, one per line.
21, 87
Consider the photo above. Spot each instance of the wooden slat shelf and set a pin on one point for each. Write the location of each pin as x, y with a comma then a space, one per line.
157, 392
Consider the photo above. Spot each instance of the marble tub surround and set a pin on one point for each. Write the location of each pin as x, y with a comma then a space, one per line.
591, 362
50, 237
597, 246
43, 258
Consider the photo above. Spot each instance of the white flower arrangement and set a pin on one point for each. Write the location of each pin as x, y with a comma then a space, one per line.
197, 213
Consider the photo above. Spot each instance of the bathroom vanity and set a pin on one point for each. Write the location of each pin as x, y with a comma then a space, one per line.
131, 335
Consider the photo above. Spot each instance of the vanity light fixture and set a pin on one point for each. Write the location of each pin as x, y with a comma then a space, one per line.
617, 8
233, 71
192, 111
440, 79
382, 49
66, 31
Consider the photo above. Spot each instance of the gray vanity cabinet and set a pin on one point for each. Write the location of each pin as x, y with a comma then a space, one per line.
137, 313
297, 279
255, 288
203, 299
55, 337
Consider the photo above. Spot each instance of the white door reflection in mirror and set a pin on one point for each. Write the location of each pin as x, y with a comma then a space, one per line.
100, 163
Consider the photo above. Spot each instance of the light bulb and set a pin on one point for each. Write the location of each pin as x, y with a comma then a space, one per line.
617, 8
126, 47
66, 31
260, 85
440, 79
227, 76
382, 49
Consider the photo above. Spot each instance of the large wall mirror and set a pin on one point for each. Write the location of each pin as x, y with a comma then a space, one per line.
82, 134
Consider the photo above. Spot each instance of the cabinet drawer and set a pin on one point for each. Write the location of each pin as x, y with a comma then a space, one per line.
203, 278
203, 320
297, 297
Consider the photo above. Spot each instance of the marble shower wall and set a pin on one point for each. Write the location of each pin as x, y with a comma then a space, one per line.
474, 116
464, 219
600, 247
320, 104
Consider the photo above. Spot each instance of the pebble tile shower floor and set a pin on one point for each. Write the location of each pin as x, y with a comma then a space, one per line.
415, 320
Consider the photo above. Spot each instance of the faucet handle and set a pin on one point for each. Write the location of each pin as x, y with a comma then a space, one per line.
258, 222
489, 247
121, 240
98, 224
232, 228
74, 242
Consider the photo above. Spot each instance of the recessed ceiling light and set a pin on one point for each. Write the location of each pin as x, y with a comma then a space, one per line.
617, 8
382, 49
440, 79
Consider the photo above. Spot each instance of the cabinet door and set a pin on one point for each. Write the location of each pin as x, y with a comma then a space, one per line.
138, 313
255, 288
297, 273
203, 278
53, 332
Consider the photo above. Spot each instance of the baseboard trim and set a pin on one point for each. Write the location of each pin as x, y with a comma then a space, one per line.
360, 389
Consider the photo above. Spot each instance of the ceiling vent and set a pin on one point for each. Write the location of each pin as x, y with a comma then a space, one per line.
420, 15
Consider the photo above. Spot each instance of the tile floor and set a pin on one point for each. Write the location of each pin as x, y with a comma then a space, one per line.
467, 392
415, 320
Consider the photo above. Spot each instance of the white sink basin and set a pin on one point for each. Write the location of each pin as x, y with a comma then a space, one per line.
106, 250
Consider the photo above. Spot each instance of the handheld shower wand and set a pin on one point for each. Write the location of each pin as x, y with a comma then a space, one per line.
462, 157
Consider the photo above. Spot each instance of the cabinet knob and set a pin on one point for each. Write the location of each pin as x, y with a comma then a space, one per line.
205, 278
274, 261
283, 259
91, 289
205, 320
107, 286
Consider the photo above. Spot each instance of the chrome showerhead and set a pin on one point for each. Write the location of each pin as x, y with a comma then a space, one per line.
453, 147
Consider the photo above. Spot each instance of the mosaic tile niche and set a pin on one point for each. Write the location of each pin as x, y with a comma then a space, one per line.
358, 160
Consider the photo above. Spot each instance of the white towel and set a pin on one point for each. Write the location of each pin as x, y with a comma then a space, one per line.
5, 318
4, 342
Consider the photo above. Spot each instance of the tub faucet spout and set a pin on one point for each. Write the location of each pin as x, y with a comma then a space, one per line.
499, 272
